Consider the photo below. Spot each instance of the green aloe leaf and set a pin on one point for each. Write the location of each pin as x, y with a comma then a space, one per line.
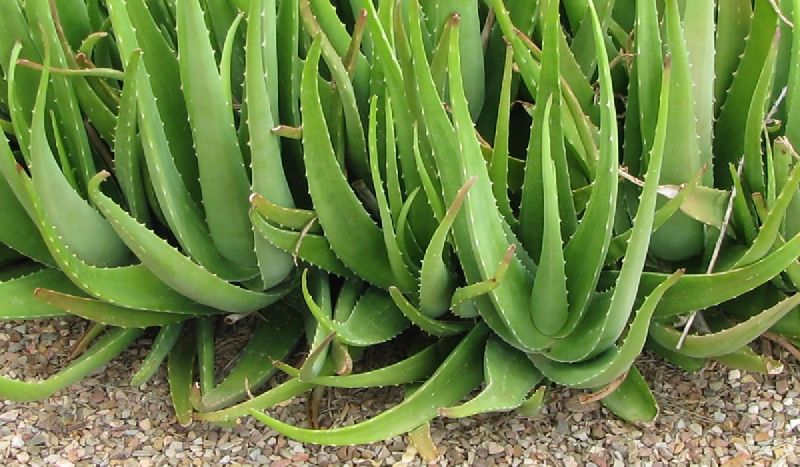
549, 305
436, 282
40, 18
352, 234
312, 248
16, 227
728, 340
430, 325
754, 126
79, 225
162, 345
289, 218
104, 350
281, 393
269, 179
414, 368
614, 362
586, 250
175, 269
19, 302
128, 155
454, 379
134, 28
106, 313
632, 400
184, 217
732, 120
509, 377
180, 371
375, 318
698, 291
680, 237
732, 28
277, 331
223, 179
403, 276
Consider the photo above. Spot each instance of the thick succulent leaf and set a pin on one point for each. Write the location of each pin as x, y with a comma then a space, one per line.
793, 82
482, 226
533, 404
698, 291
40, 18
184, 217
445, 149
744, 358
223, 180
649, 65
204, 347
79, 225
180, 370
403, 276
632, 401
129, 286
374, 319
586, 250
352, 234
19, 302
498, 166
104, 350
680, 237
614, 362
728, 340
698, 24
312, 248
509, 377
162, 346
625, 292
414, 368
275, 335
318, 337
752, 303
15, 39
128, 155
281, 393
684, 195
454, 379
17, 230
733, 26
549, 306
770, 228
289, 218
753, 172
732, 121
269, 179
393, 80
423, 321
436, 282
175, 269
357, 156
134, 28
106, 313
531, 225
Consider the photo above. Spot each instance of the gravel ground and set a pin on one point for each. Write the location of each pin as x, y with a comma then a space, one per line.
714, 417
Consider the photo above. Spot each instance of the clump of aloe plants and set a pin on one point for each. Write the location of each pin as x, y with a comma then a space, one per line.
529, 192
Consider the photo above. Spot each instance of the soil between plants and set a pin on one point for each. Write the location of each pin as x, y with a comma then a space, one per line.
716, 416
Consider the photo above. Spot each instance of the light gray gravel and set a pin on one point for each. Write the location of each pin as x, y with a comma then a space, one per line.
714, 417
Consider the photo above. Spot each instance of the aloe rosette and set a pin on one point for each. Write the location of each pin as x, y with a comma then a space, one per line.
531, 199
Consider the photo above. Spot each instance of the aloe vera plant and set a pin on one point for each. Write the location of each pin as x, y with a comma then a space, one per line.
532, 192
